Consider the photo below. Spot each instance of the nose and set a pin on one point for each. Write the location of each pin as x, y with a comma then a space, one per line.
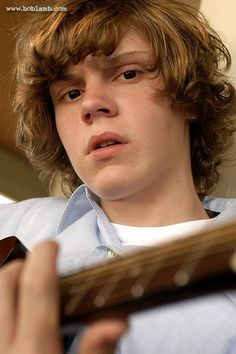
97, 103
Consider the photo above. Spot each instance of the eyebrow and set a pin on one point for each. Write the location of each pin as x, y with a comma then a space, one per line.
113, 60
120, 58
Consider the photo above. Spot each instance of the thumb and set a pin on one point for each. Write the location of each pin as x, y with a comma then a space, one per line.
102, 336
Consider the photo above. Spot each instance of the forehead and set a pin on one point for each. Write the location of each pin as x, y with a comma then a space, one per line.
132, 40
132, 47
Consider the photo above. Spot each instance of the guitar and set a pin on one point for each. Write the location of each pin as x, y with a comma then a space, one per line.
190, 267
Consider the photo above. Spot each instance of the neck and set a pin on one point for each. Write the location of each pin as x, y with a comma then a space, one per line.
157, 206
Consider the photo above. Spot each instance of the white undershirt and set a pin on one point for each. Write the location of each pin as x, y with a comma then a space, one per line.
148, 236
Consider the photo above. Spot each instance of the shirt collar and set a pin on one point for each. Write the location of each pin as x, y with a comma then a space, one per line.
81, 202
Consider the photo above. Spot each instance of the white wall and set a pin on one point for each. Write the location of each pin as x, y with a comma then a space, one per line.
222, 17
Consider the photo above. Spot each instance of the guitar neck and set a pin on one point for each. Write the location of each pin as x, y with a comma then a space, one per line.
194, 266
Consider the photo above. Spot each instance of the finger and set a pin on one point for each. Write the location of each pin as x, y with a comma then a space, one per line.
102, 336
9, 277
38, 302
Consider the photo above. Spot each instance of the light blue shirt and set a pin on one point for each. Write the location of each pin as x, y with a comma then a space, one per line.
204, 325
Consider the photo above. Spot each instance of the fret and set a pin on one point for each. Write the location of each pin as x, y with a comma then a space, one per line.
139, 287
147, 275
76, 294
106, 291
191, 262
135, 270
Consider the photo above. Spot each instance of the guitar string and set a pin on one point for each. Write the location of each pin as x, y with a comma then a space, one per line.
175, 247
148, 260
149, 269
100, 281
125, 294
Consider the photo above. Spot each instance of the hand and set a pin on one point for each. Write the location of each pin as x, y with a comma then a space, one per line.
29, 316
101, 337
29, 309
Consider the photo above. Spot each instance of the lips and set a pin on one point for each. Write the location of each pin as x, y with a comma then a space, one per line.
104, 140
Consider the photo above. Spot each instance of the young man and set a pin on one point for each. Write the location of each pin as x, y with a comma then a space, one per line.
130, 97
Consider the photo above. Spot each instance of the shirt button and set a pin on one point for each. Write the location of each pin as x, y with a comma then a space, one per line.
111, 254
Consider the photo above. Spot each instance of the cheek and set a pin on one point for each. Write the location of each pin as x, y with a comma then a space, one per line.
66, 136
60, 121
67, 128
62, 132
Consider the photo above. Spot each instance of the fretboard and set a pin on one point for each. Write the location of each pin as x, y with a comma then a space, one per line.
194, 266
190, 267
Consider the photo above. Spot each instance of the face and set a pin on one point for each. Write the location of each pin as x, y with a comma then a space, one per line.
122, 139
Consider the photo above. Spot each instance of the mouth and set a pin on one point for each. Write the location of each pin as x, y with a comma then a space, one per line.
104, 140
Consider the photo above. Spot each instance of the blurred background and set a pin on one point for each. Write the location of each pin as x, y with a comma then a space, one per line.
18, 180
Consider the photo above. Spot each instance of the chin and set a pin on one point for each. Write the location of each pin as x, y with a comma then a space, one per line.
113, 183
111, 190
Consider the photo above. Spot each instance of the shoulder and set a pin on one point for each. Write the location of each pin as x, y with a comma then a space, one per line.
225, 206
26, 219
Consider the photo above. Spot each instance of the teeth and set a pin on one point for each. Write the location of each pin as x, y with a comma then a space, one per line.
107, 143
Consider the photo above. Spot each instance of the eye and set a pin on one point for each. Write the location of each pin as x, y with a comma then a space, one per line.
130, 74
72, 95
